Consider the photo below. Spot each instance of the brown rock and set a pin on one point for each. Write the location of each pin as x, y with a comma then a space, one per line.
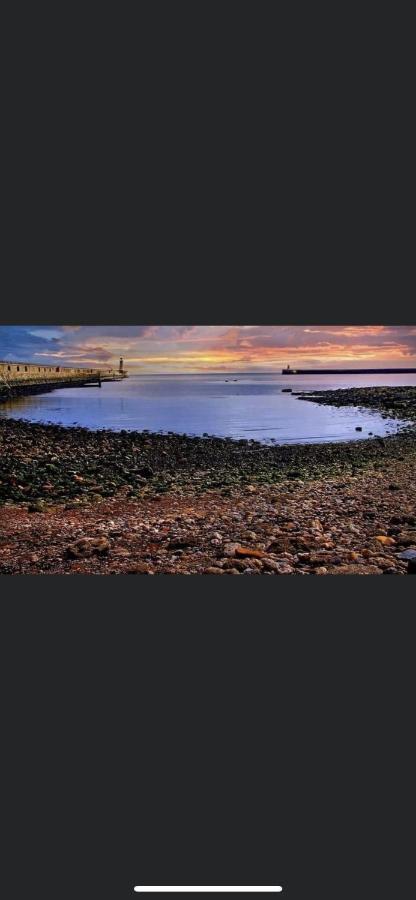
279, 545
248, 551
406, 538
280, 568
230, 548
187, 540
317, 559
239, 564
317, 524
355, 569
88, 546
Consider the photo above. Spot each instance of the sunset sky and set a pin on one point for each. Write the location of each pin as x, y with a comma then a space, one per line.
168, 348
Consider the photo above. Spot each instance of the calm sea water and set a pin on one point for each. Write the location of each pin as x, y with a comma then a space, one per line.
237, 406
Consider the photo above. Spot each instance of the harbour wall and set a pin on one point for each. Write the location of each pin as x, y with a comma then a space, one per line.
399, 371
26, 378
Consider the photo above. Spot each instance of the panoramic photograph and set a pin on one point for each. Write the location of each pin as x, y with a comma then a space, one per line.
217, 450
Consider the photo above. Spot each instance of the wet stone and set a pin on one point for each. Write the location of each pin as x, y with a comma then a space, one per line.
408, 555
210, 503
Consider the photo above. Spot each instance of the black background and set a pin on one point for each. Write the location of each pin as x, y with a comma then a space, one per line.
169, 730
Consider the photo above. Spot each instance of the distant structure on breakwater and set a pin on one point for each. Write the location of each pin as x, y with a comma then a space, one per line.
289, 371
27, 378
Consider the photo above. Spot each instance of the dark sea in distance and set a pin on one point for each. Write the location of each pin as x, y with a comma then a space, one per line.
226, 405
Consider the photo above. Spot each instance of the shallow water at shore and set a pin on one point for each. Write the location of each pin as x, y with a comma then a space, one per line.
234, 405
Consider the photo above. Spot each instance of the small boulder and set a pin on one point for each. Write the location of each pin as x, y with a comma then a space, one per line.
280, 568
180, 543
248, 551
230, 548
88, 547
406, 538
140, 569
407, 555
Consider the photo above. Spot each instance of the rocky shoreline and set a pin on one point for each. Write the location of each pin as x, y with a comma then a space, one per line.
393, 402
78, 501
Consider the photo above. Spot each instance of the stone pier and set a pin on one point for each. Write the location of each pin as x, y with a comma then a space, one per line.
22, 378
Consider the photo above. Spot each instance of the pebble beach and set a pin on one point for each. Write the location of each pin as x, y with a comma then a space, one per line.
75, 501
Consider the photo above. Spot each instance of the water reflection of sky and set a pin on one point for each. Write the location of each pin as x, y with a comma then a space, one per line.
249, 407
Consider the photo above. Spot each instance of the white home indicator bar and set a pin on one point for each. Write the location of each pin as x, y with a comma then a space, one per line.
208, 890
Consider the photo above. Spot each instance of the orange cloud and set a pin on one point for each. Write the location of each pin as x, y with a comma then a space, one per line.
207, 348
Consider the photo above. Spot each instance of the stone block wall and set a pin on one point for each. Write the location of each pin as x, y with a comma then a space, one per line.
20, 372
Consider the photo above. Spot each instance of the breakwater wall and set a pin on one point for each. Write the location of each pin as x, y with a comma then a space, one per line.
399, 371
26, 378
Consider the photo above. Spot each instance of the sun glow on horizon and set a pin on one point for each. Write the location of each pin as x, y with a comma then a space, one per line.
187, 349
